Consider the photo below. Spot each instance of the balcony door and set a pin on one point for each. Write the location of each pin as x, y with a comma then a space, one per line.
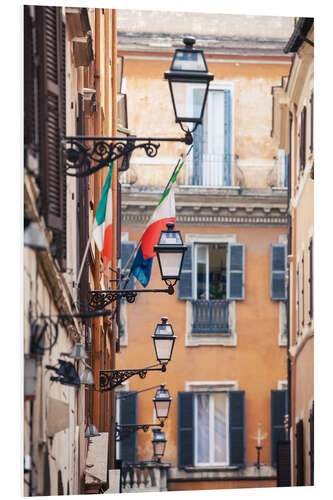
212, 146
210, 271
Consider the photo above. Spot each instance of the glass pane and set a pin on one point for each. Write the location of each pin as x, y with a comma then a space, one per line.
163, 348
170, 264
217, 271
188, 61
203, 428
162, 407
220, 428
201, 272
180, 93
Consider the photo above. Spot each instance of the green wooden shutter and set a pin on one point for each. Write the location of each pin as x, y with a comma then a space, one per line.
185, 282
300, 473
128, 415
30, 118
236, 272
237, 428
126, 250
283, 464
279, 408
227, 139
185, 429
198, 142
278, 271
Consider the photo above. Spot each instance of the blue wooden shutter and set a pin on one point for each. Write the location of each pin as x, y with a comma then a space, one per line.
279, 408
237, 427
128, 415
126, 250
198, 141
278, 272
185, 429
235, 272
227, 139
185, 282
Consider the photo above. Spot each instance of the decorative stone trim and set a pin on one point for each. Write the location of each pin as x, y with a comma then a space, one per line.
221, 473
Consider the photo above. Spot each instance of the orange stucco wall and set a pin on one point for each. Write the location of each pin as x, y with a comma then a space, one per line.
257, 362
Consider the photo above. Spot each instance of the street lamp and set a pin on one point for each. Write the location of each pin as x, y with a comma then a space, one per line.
162, 402
188, 71
86, 155
164, 340
170, 252
159, 443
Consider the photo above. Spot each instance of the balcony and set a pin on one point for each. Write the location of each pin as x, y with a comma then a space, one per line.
210, 316
144, 477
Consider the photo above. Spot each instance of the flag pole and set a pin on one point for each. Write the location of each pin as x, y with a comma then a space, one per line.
84, 259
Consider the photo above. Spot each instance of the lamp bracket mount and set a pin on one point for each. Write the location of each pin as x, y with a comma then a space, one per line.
125, 430
109, 379
85, 155
99, 299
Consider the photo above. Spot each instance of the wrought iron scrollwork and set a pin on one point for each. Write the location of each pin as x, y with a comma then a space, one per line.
99, 299
123, 431
109, 379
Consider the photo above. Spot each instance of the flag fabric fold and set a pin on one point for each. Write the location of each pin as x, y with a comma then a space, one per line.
102, 227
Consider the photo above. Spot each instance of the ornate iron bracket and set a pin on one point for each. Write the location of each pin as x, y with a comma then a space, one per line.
83, 159
109, 379
123, 431
99, 299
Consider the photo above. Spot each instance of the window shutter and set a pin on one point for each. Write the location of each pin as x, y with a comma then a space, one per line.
311, 278
82, 218
300, 454
198, 142
185, 282
311, 451
30, 138
235, 270
49, 33
279, 408
278, 272
302, 150
283, 464
185, 429
311, 123
126, 250
237, 427
227, 139
128, 415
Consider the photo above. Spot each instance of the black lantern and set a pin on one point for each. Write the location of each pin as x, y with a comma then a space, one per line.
164, 340
159, 443
188, 69
162, 402
170, 252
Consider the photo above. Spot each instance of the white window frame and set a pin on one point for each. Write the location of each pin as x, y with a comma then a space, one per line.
195, 340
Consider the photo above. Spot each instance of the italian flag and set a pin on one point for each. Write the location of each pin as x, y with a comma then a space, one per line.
102, 227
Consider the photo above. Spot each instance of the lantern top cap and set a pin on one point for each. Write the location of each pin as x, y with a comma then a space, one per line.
162, 393
189, 41
164, 320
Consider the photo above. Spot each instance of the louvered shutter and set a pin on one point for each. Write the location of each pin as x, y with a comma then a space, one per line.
227, 139
185, 281
311, 450
311, 123
237, 427
235, 272
128, 415
283, 464
82, 219
300, 454
49, 36
185, 429
126, 250
311, 278
198, 142
278, 272
30, 137
302, 148
279, 408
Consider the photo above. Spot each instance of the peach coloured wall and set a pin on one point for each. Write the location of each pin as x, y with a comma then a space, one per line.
219, 485
147, 89
257, 363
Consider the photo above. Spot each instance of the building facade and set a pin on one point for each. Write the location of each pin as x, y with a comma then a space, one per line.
293, 129
228, 374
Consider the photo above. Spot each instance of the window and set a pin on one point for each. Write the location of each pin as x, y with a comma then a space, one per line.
302, 140
212, 146
279, 408
215, 277
211, 429
297, 301
127, 413
311, 123
278, 271
303, 295
311, 441
300, 473
311, 278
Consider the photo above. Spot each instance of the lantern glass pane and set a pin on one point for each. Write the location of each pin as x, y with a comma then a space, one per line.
170, 263
159, 449
162, 408
188, 61
164, 330
170, 238
180, 92
163, 348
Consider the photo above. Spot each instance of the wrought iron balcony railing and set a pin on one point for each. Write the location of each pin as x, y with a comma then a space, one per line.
210, 316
